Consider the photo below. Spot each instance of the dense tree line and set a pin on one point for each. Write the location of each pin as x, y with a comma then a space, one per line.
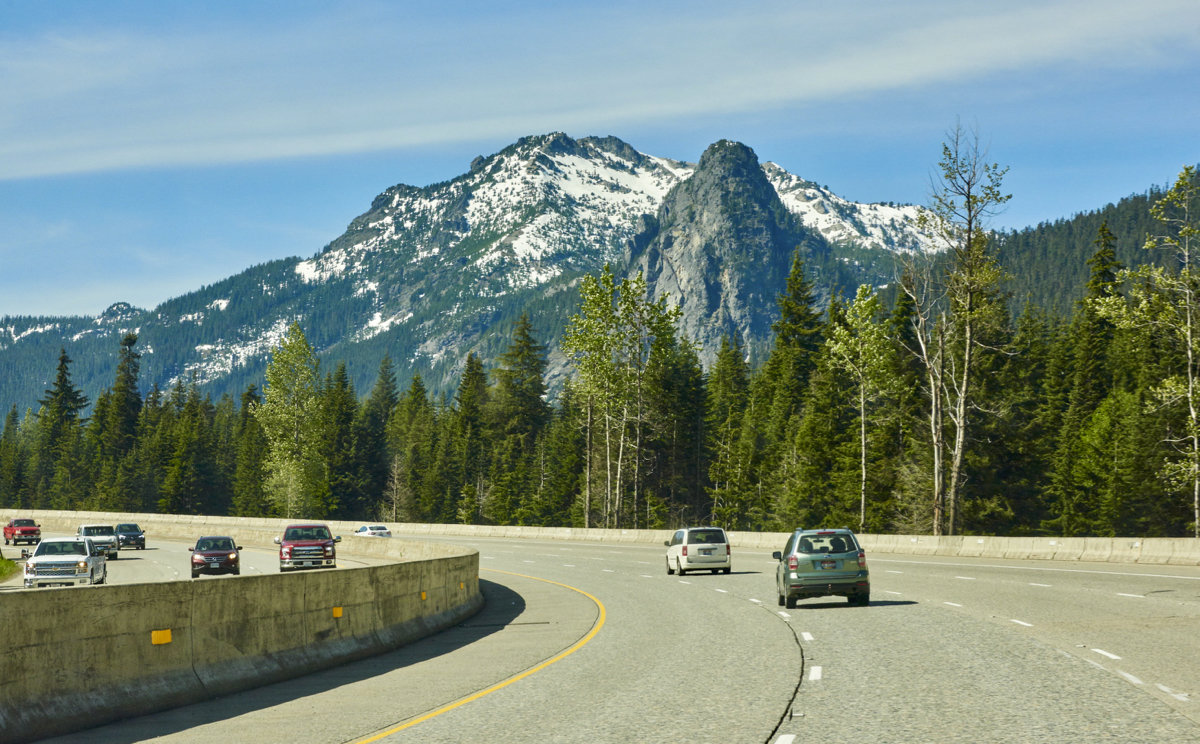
938, 411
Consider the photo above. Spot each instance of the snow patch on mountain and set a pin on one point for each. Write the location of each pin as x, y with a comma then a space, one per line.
219, 359
889, 227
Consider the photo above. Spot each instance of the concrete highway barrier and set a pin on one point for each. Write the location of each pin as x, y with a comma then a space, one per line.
81, 657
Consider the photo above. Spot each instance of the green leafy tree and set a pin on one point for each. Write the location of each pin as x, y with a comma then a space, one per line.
1167, 299
860, 347
287, 414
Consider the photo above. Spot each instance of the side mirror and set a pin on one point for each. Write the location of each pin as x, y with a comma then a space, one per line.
667, 543
24, 553
192, 549
777, 555
337, 538
239, 547
276, 540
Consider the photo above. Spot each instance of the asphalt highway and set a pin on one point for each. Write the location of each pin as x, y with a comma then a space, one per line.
591, 642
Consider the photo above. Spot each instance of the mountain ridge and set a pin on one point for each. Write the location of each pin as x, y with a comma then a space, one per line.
428, 274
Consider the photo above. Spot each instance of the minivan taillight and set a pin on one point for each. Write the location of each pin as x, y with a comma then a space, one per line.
684, 552
793, 563
862, 559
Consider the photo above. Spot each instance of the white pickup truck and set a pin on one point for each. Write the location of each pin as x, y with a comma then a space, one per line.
104, 535
65, 561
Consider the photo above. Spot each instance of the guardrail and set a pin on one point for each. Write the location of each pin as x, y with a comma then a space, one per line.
1184, 551
77, 659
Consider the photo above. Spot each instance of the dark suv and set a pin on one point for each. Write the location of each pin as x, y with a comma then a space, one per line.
129, 535
822, 563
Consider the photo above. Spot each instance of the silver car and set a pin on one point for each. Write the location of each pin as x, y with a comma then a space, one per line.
822, 563
699, 549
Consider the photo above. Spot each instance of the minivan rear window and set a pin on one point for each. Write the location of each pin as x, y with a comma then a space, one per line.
706, 536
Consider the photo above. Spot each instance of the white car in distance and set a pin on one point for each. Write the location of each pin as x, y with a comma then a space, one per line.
373, 530
699, 549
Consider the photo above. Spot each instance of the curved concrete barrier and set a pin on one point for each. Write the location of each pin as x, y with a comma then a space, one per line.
111, 652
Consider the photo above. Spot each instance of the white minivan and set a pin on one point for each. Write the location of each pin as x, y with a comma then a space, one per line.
699, 549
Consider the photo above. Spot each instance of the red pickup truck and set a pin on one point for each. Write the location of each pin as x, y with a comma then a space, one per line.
307, 546
22, 530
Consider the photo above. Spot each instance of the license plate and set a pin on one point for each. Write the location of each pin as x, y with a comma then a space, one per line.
828, 564
706, 551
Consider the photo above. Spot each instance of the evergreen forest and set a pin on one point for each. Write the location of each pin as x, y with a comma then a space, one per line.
935, 408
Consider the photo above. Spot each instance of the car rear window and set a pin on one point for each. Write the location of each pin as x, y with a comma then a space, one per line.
706, 536
833, 543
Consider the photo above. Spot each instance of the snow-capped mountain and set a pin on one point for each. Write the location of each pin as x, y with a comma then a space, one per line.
428, 274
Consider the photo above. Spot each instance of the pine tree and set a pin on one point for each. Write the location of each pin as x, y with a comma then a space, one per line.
728, 399
371, 436
249, 495
55, 468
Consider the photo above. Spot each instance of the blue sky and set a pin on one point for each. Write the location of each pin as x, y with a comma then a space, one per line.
150, 148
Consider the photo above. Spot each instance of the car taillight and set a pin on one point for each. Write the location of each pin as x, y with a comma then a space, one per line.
685, 550
862, 559
793, 563
728, 549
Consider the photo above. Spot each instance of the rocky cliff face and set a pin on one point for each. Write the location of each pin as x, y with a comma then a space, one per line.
722, 247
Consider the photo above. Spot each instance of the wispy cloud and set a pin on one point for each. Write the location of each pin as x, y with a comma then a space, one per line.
76, 100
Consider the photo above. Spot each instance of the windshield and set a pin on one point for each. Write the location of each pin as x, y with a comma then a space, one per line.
61, 548
127, 528
215, 543
838, 542
98, 530
318, 532
23, 523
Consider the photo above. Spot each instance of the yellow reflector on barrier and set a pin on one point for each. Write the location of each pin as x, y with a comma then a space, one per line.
160, 637
422, 596
337, 611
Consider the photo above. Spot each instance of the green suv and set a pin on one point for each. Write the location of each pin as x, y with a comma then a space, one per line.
822, 563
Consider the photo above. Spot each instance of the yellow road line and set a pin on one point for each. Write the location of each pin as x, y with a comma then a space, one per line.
505, 683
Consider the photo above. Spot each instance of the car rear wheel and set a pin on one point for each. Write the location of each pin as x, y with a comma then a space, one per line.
789, 602
679, 568
670, 570
862, 600
727, 570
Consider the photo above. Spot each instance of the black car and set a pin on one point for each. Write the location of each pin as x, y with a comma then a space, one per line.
216, 555
129, 535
